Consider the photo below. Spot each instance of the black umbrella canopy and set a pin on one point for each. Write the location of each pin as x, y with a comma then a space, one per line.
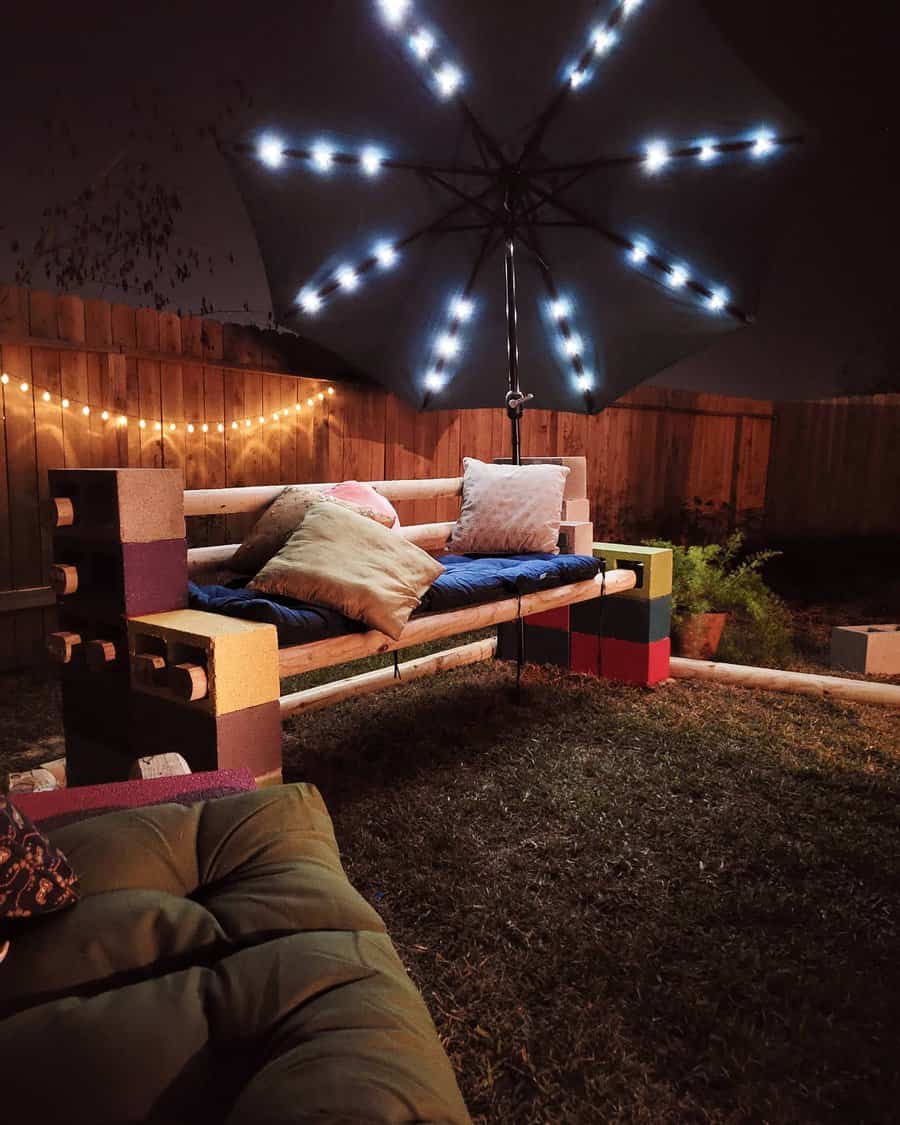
623, 151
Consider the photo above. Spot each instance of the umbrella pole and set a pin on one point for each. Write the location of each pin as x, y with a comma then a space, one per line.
513, 409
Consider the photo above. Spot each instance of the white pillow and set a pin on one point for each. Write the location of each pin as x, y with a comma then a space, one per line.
509, 509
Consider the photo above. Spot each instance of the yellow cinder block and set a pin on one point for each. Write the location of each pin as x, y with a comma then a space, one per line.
656, 577
238, 659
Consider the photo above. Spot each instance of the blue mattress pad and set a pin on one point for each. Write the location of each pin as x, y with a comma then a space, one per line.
467, 580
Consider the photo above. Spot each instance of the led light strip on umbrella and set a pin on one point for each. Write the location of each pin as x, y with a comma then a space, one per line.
511, 199
198, 425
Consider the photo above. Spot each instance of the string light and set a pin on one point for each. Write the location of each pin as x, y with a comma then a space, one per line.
386, 254
347, 278
707, 151
717, 300
297, 404
657, 156
584, 382
234, 425
461, 309
560, 308
449, 79
271, 151
320, 396
678, 276
172, 427
310, 402
763, 143
157, 426
85, 410
4, 378
204, 428
628, 6
190, 427
371, 161
330, 391
65, 404
46, 396
322, 156
143, 423
395, 11
122, 420
310, 302
422, 44
434, 381
572, 346
604, 40
105, 415
446, 346
247, 423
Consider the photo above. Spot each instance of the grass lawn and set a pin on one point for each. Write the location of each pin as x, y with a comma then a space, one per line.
677, 905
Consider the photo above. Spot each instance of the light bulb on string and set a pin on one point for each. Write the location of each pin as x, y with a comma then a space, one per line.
560, 308
449, 79
394, 11
310, 402
639, 252
656, 156
678, 276
204, 428
190, 427
446, 346
330, 391
158, 427
46, 396
707, 151
221, 428
461, 309
347, 278
142, 423
434, 381
371, 161
122, 420
604, 40
23, 387
105, 415
310, 302
322, 157
270, 151
572, 346
385, 254
4, 378
717, 301
422, 44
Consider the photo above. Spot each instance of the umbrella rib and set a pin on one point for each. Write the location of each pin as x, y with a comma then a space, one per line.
473, 200
587, 222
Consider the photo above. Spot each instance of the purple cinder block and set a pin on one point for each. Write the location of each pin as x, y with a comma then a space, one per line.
124, 579
155, 576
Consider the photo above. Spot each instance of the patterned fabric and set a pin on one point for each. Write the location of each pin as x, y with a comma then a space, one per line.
509, 509
364, 496
282, 518
35, 877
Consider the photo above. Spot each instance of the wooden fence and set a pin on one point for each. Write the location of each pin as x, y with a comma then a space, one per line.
211, 400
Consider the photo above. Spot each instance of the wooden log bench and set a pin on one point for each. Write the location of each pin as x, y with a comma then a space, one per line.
207, 686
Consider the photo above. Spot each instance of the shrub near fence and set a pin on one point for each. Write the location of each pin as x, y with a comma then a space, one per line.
659, 462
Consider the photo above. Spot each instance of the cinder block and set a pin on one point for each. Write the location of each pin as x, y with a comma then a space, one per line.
237, 659
546, 646
632, 619
251, 737
653, 566
584, 650
587, 617
122, 579
868, 649
507, 640
577, 511
634, 663
118, 505
551, 618
91, 761
100, 711
576, 481
576, 538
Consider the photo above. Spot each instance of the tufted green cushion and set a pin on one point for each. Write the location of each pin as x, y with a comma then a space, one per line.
219, 966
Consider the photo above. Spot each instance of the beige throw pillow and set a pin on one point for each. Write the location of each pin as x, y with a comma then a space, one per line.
340, 559
283, 516
509, 509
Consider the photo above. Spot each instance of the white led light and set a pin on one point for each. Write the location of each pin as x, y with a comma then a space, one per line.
707, 151
449, 79
576, 77
656, 156
46, 396
204, 428
639, 252
421, 44
322, 157
628, 6
310, 301
394, 11
371, 160
461, 309
446, 346
4, 378
763, 143
717, 301
560, 308
434, 381
604, 39
572, 346
190, 427
270, 151
105, 415
386, 254
678, 276
585, 382
347, 279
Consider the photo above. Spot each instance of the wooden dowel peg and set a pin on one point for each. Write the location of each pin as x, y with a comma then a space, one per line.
189, 682
99, 653
62, 511
147, 667
61, 646
63, 579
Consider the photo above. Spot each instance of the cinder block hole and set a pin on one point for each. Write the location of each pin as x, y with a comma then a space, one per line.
98, 504
627, 564
180, 653
149, 644
104, 572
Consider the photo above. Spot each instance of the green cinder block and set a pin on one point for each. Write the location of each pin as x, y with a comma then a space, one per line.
654, 569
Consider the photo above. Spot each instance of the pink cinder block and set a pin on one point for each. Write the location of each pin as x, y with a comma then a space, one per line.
550, 618
634, 663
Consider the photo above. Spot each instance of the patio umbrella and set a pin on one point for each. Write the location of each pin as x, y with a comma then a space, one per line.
466, 201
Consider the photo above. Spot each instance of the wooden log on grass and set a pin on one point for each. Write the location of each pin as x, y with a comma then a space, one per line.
314, 699
433, 626
774, 679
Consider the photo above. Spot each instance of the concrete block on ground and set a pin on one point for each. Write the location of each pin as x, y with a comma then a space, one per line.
632, 619
634, 663
584, 654
867, 649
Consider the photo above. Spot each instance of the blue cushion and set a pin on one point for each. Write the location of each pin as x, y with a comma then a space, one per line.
467, 580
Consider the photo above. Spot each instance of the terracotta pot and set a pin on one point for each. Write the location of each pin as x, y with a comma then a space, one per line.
698, 636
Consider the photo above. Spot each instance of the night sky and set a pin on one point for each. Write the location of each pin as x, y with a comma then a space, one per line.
828, 305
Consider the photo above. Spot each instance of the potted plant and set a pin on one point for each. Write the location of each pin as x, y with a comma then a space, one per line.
711, 585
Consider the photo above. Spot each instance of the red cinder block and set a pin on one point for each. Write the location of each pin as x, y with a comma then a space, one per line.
585, 654
551, 618
634, 663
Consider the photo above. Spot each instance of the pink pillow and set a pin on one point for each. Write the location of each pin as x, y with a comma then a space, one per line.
365, 496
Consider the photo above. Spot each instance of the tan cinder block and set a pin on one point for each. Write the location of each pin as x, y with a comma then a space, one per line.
576, 538
240, 658
576, 481
577, 511
128, 505
655, 577
869, 649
